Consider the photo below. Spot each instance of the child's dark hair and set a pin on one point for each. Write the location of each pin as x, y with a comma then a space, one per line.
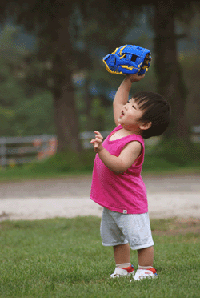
156, 110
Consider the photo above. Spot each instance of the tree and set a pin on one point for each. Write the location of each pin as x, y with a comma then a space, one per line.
20, 110
51, 22
99, 36
169, 74
168, 70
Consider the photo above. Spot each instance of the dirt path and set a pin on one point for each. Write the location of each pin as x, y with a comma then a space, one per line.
168, 196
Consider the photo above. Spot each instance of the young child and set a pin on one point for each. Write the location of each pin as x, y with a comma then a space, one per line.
117, 184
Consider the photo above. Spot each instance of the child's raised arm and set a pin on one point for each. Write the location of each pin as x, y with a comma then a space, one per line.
122, 94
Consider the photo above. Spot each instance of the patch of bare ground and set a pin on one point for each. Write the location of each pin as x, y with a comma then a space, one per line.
179, 226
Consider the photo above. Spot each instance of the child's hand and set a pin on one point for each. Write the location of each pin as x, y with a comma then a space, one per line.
135, 77
97, 142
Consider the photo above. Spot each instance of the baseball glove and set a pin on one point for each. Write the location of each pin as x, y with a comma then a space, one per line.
128, 59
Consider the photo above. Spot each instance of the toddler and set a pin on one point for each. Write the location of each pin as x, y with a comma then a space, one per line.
117, 183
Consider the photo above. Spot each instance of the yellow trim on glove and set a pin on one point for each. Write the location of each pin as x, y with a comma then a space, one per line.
111, 71
122, 56
115, 50
129, 67
145, 67
122, 49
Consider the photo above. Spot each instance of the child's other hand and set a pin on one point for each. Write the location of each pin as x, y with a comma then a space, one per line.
97, 142
135, 77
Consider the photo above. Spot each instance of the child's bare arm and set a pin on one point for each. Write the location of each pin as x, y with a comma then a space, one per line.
122, 94
121, 163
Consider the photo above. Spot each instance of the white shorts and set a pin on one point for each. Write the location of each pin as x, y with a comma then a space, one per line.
118, 228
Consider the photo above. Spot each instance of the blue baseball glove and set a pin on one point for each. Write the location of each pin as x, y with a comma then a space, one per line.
128, 59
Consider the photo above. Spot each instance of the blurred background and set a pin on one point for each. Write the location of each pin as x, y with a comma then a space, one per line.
55, 90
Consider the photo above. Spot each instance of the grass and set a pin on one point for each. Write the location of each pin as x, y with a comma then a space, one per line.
69, 163
65, 258
59, 165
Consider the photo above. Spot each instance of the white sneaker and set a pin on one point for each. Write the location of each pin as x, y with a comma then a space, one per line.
129, 271
145, 273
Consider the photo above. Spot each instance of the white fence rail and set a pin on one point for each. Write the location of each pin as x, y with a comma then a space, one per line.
19, 150
14, 150
195, 137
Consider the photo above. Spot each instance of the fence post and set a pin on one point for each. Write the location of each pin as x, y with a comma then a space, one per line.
3, 152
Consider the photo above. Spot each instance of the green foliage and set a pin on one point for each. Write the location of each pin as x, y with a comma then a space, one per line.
178, 152
23, 115
66, 162
10, 50
20, 114
65, 258
35, 115
10, 92
7, 117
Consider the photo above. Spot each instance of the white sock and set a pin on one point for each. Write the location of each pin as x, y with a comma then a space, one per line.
144, 267
124, 265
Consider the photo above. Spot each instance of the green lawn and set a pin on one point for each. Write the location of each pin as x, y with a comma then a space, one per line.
65, 258
167, 157
64, 164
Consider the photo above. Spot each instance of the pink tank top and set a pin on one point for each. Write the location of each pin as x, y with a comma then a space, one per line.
126, 192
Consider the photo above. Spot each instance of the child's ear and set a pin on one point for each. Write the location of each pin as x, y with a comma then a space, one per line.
145, 126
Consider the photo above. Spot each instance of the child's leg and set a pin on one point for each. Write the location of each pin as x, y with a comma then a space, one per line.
122, 260
122, 254
146, 256
145, 264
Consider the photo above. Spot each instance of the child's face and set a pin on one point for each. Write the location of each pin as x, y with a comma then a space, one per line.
130, 116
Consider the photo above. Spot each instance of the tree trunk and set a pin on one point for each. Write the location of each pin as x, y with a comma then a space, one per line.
66, 118
168, 71
88, 105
